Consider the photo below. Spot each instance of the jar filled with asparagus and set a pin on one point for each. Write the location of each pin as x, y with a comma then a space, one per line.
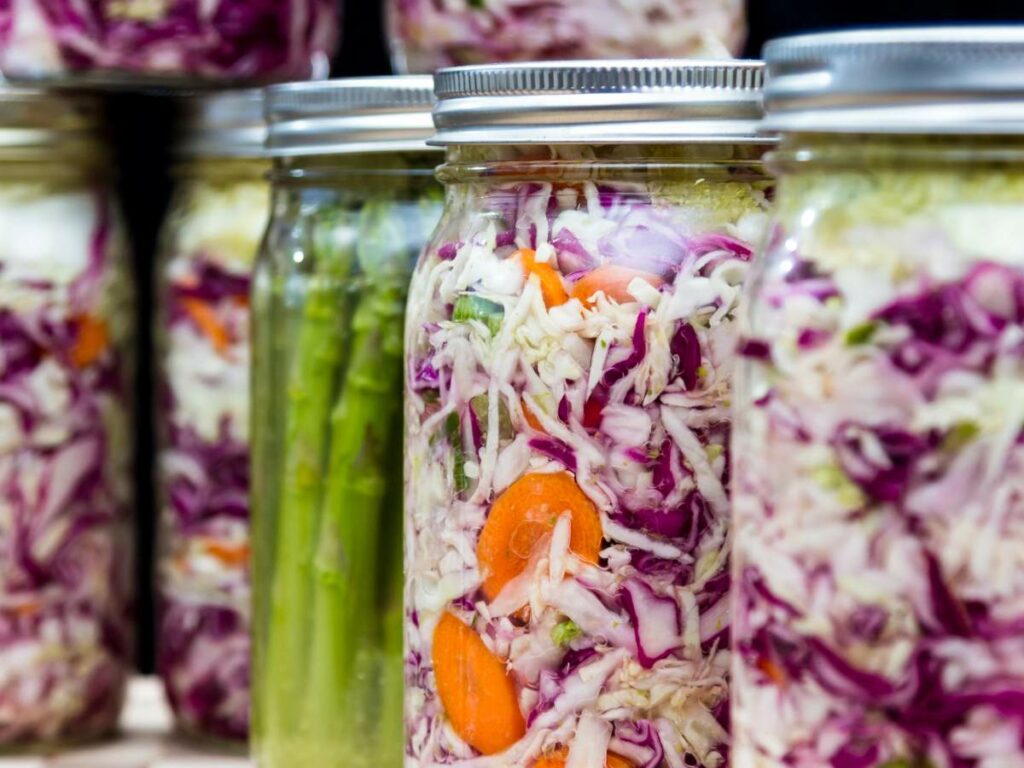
354, 199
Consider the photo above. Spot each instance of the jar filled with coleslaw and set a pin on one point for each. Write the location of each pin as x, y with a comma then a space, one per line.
354, 199
568, 376
209, 244
127, 43
426, 35
879, 448
66, 433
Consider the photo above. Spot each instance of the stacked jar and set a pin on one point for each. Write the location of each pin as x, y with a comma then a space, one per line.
354, 199
569, 358
132, 43
66, 320
426, 35
210, 242
879, 453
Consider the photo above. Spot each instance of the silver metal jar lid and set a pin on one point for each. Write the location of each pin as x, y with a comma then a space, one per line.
350, 116
50, 123
934, 80
223, 124
600, 102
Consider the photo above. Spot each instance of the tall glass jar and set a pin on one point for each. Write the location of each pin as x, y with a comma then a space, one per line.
66, 437
209, 245
879, 448
426, 35
568, 375
354, 200
167, 42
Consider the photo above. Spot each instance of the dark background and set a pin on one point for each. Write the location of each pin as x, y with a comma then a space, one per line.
142, 129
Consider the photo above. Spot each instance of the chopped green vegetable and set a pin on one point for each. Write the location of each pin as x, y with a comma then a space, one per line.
860, 334
832, 478
505, 429
469, 306
453, 430
960, 435
565, 632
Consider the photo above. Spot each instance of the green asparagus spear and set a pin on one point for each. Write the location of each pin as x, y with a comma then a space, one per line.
311, 390
345, 587
393, 618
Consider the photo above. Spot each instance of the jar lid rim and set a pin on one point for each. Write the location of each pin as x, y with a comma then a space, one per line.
601, 102
228, 124
349, 116
63, 123
930, 80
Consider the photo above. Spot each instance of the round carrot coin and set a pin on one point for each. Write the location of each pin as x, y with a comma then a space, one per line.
475, 688
526, 512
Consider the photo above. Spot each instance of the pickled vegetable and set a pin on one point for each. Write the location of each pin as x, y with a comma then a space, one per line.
331, 660
877, 564
569, 359
65, 463
211, 240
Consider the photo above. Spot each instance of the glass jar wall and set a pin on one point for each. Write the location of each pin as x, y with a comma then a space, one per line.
878, 454
167, 41
329, 301
569, 361
426, 35
210, 241
66, 436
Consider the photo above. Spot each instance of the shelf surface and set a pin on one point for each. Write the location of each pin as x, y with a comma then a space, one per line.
146, 741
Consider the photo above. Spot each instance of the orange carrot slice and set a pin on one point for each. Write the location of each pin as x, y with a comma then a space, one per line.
532, 420
227, 553
526, 512
475, 688
557, 760
28, 608
773, 671
205, 318
90, 341
613, 280
551, 287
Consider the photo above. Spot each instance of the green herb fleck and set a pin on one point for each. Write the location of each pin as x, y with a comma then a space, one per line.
861, 333
960, 435
565, 632
832, 478
906, 762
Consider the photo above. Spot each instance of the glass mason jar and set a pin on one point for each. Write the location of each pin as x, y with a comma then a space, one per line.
354, 199
209, 244
569, 360
157, 42
879, 460
426, 35
66, 435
